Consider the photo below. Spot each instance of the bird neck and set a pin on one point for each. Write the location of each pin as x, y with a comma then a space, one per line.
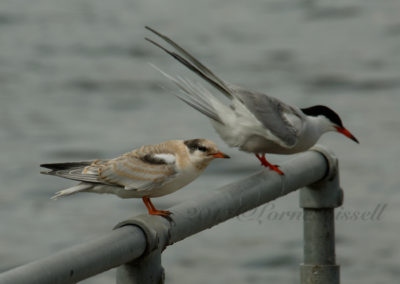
201, 165
316, 126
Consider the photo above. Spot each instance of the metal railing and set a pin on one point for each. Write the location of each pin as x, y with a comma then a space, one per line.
135, 245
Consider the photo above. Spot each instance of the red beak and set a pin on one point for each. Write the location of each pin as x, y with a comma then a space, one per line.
346, 133
220, 155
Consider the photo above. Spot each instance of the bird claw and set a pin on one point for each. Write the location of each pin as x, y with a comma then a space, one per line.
266, 164
163, 213
276, 169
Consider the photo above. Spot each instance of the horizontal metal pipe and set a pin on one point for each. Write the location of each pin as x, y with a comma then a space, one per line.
82, 261
128, 243
231, 200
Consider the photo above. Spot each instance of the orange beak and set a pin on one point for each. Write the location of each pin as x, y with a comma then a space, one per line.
346, 133
221, 155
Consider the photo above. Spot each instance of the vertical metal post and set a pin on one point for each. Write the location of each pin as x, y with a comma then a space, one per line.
146, 269
318, 202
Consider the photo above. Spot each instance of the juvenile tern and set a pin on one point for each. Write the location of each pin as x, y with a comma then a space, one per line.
253, 122
146, 172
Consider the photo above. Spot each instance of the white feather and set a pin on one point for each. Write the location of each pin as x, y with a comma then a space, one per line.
72, 190
168, 158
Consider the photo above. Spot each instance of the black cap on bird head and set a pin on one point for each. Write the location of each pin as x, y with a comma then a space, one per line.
332, 116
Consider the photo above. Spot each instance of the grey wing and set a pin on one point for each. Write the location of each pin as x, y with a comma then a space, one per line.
272, 113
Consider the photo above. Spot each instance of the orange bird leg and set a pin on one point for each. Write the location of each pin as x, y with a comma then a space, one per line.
266, 164
152, 210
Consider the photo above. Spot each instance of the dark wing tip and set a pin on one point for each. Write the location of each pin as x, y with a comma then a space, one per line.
48, 166
65, 166
158, 33
160, 46
152, 30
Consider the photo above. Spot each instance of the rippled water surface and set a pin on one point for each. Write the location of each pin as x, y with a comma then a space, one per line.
76, 84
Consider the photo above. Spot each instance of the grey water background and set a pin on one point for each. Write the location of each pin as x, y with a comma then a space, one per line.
75, 84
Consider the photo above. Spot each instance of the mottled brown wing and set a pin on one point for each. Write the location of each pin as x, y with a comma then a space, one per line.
134, 172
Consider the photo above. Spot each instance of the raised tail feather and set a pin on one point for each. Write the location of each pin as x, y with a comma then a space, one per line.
191, 63
195, 96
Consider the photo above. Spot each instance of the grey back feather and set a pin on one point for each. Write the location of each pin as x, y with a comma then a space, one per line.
269, 111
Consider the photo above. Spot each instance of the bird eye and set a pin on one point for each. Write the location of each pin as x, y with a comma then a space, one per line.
202, 149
